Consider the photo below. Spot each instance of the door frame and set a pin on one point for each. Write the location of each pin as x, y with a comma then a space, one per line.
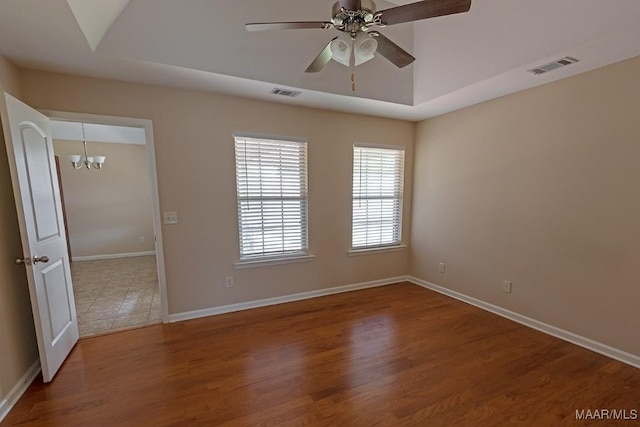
147, 125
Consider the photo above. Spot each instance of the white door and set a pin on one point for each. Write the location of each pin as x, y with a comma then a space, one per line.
35, 185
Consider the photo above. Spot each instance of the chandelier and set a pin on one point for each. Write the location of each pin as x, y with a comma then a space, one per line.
77, 160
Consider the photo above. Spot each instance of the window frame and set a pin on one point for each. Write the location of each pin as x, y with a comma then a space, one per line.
398, 243
269, 258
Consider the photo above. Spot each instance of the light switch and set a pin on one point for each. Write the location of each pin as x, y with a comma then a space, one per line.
170, 217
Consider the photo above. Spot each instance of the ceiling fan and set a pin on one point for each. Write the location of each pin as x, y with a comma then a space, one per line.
355, 19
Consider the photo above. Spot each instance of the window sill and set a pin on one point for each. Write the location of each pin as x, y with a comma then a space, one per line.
273, 261
366, 251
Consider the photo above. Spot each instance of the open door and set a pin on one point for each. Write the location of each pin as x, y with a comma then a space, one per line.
37, 195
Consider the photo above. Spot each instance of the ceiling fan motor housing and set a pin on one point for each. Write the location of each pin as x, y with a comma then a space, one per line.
353, 21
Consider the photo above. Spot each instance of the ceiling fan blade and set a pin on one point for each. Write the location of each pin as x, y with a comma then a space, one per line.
423, 10
266, 26
321, 60
394, 53
350, 4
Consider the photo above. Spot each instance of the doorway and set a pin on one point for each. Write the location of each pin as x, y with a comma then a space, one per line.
113, 222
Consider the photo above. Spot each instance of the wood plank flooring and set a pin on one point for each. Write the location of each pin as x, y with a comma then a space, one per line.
394, 355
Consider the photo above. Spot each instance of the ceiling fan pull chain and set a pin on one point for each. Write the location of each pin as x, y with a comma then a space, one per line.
352, 62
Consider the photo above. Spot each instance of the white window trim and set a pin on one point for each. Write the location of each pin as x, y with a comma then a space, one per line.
264, 261
383, 146
267, 136
396, 246
377, 249
285, 258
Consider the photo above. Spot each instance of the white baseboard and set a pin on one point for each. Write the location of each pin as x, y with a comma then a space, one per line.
18, 390
280, 300
112, 256
614, 353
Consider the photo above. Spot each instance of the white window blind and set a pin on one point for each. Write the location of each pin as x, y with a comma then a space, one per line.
378, 175
271, 177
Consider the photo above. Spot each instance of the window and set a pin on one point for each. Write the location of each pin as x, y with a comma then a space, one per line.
378, 175
271, 177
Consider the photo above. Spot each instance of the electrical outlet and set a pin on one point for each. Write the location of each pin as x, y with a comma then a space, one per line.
228, 281
506, 286
141, 239
441, 267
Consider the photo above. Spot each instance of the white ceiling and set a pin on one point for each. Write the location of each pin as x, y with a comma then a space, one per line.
201, 44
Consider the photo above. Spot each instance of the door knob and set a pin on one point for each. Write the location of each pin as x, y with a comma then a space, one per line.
37, 259
21, 261
29, 260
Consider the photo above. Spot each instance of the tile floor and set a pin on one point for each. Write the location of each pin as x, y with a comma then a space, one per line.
115, 294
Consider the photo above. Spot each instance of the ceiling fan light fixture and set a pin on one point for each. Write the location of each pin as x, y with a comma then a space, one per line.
365, 48
354, 18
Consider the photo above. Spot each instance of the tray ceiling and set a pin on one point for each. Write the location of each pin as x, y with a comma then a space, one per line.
196, 44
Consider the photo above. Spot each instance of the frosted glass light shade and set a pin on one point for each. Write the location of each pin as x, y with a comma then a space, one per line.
366, 47
99, 159
74, 158
341, 50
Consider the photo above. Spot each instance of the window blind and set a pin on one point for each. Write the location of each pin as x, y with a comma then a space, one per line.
378, 175
271, 177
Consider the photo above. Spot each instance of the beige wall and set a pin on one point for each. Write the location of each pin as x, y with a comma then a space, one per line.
107, 210
196, 174
541, 188
18, 349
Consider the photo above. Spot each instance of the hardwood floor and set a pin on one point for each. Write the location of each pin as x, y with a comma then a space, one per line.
394, 355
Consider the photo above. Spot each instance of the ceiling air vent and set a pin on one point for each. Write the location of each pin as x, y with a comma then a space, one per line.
285, 92
567, 60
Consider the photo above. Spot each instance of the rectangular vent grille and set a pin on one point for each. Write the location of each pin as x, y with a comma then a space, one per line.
567, 60
285, 92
